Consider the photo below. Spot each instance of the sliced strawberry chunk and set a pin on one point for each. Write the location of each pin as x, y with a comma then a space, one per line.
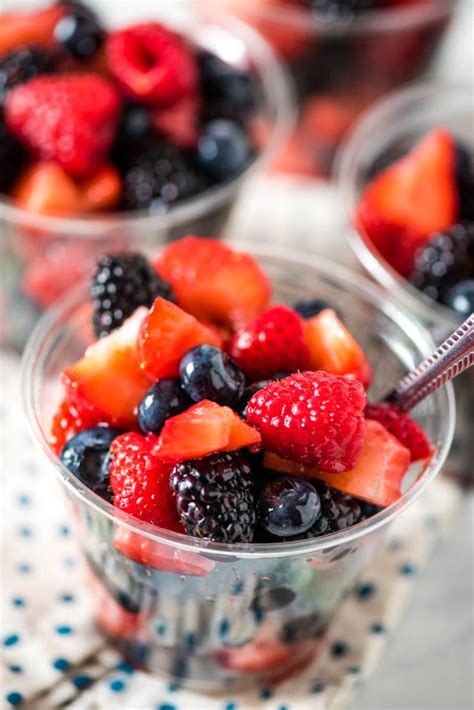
257, 656
377, 477
167, 334
333, 349
204, 429
52, 270
410, 200
70, 418
33, 27
46, 188
109, 376
112, 617
165, 558
179, 122
213, 282
403, 427
102, 190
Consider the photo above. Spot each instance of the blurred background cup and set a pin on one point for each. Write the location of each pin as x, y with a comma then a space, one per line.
210, 615
342, 64
385, 133
42, 256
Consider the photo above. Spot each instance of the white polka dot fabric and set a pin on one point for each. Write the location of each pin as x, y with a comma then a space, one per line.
53, 656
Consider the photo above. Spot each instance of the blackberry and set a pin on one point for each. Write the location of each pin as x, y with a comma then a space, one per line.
444, 260
12, 157
121, 283
338, 8
338, 511
465, 181
157, 174
369, 509
21, 65
215, 497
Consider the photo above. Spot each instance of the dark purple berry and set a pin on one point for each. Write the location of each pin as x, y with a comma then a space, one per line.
215, 497
465, 181
223, 150
288, 506
22, 65
120, 284
313, 306
209, 373
79, 31
165, 399
227, 92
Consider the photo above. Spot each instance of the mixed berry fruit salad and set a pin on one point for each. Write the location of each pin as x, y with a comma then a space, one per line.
135, 118
118, 138
418, 213
215, 439
343, 55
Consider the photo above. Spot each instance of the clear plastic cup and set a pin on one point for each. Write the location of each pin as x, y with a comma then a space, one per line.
340, 66
211, 615
384, 134
42, 256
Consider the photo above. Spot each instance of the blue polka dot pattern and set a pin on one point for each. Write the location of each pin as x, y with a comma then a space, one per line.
223, 628
18, 602
230, 706
81, 681
14, 668
339, 649
67, 598
318, 687
14, 698
24, 500
61, 664
11, 640
64, 630
125, 668
365, 591
377, 628
24, 568
64, 530
25, 532
166, 706
266, 693
353, 670
407, 569
117, 685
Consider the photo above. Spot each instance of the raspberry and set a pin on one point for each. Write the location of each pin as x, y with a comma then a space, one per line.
157, 174
153, 64
311, 418
272, 343
21, 66
215, 497
120, 284
445, 259
140, 481
403, 427
70, 119
70, 418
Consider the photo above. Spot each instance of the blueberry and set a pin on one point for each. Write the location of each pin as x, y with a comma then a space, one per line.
165, 399
84, 456
223, 149
209, 373
460, 298
289, 506
228, 91
312, 307
135, 123
79, 32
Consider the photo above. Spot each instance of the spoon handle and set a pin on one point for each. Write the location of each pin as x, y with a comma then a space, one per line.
452, 357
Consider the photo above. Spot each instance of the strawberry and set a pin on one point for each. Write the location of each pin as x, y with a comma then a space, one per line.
179, 122
102, 189
257, 656
166, 335
403, 427
112, 617
70, 418
70, 119
376, 478
203, 429
46, 188
109, 376
152, 63
311, 418
333, 349
140, 481
411, 199
272, 343
213, 282
35, 27
161, 556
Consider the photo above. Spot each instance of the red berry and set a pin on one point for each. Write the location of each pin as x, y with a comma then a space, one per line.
272, 343
376, 478
166, 335
213, 282
70, 119
203, 429
71, 417
403, 427
152, 64
311, 418
140, 481
410, 200
333, 349
179, 123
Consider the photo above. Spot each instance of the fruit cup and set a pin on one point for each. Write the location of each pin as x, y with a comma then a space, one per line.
43, 255
342, 57
214, 615
385, 134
